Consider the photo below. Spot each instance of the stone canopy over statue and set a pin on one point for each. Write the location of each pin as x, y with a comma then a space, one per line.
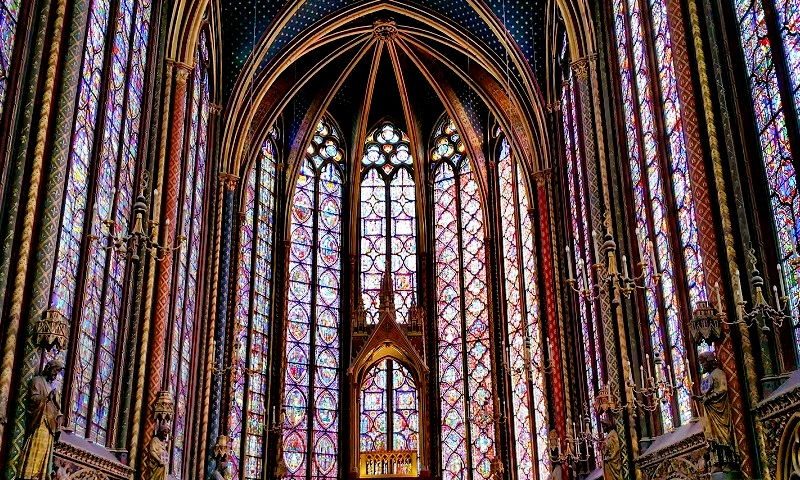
43, 423
716, 419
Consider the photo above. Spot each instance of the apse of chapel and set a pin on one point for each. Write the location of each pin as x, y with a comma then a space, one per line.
421, 43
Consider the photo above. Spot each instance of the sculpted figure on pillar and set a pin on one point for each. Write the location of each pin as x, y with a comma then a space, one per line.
612, 449
157, 455
716, 419
222, 455
43, 423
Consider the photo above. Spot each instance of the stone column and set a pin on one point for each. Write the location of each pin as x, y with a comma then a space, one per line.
45, 101
228, 185
163, 282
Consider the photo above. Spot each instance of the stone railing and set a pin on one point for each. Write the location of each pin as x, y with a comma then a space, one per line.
388, 464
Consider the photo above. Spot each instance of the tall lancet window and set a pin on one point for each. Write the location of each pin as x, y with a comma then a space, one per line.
311, 388
389, 412
666, 227
9, 16
772, 90
581, 243
463, 333
186, 281
388, 220
88, 279
524, 329
253, 308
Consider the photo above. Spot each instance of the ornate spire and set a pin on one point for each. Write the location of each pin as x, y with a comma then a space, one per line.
387, 295
415, 315
361, 314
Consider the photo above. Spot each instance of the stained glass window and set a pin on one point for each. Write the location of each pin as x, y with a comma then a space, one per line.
186, 283
643, 36
463, 336
88, 280
760, 58
581, 245
388, 220
311, 383
9, 15
525, 334
253, 302
389, 410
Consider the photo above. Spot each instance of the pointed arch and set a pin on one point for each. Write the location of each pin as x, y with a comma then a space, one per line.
186, 302
463, 332
312, 358
253, 313
525, 332
388, 217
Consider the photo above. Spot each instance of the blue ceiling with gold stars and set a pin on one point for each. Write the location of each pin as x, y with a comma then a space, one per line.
246, 21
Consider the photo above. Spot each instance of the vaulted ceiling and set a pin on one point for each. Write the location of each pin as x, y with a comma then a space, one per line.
245, 22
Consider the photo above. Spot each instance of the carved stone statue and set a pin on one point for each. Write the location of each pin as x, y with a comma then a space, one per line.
43, 422
223, 470
556, 472
156, 456
716, 420
612, 450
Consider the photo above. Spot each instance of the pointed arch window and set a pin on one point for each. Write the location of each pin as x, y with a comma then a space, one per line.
581, 241
9, 16
665, 222
389, 411
253, 309
88, 280
525, 335
464, 344
388, 220
760, 22
312, 378
186, 277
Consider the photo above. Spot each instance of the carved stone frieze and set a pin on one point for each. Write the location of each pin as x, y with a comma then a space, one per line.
778, 414
75, 458
676, 455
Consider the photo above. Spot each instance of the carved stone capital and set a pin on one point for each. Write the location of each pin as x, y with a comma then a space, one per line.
580, 68
182, 70
542, 177
228, 181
